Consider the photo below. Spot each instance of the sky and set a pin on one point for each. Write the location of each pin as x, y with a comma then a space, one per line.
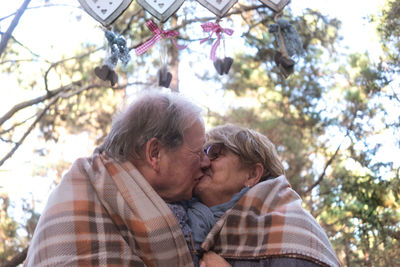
52, 31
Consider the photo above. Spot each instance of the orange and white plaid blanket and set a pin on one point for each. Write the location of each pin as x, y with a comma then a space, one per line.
104, 213
269, 221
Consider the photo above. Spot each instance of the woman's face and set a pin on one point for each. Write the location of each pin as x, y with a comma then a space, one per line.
225, 177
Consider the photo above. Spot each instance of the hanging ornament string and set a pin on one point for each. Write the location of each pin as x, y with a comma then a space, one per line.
118, 50
218, 30
158, 34
290, 43
163, 75
163, 52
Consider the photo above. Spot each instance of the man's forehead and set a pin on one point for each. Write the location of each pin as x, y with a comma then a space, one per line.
195, 135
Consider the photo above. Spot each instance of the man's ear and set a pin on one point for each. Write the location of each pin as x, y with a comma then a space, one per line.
152, 153
255, 174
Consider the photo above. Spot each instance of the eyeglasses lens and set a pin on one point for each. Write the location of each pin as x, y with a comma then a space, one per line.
213, 151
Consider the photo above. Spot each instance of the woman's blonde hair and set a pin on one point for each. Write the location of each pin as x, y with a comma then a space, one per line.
251, 146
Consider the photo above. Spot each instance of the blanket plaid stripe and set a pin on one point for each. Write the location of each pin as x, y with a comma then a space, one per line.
104, 213
269, 221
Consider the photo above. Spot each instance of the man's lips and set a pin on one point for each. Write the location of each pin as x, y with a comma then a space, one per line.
202, 177
207, 172
199, 178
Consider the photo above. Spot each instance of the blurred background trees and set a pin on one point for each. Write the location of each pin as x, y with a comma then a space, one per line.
331, 120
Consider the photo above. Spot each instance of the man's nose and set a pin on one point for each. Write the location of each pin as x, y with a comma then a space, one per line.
204, 161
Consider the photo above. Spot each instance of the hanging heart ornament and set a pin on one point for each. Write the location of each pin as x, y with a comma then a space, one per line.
105, 11
218, 7
161, 9
275, 5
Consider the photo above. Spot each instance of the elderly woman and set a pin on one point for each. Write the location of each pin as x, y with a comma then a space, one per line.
247, 212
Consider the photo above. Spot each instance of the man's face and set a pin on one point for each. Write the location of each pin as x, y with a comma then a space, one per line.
182, 168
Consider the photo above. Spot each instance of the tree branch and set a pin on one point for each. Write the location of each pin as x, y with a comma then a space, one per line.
322, 175
62, 61
7, 141
7, 35
16, 125
128, 25
36, 7
16, 60
34, 101
395, 96
61, 93
22, 45
38, 118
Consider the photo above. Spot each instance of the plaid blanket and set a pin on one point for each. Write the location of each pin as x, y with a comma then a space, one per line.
104, 213
269, 221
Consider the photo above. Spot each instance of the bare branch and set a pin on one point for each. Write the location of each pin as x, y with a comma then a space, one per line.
16, 60
61, 93
21, 140
322, 175
7, 141
34, 101
22, 45
62, 61
129, 23
7, 35
49, 95
36, 7
395, 96
16, 125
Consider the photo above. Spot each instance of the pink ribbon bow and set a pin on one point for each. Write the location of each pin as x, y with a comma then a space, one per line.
158, 34
218, 30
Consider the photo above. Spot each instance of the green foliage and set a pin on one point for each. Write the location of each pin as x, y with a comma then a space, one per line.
8, 231
362, 212
388, 28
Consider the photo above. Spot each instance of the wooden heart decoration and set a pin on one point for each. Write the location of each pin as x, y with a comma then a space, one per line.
275, 5
218, 7
161, 9
105, 11
102, 72
164, 77
223, 65
106, 74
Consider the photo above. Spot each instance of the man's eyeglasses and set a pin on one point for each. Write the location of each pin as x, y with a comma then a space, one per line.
214, 150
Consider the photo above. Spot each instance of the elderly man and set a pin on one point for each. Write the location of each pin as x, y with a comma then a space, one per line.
111, 209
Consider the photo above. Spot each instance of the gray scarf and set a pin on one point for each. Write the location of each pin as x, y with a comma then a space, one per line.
203, 218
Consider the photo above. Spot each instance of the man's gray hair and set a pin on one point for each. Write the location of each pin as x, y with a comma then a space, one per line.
164, 116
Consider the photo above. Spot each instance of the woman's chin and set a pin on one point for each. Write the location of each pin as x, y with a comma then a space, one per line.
201, 187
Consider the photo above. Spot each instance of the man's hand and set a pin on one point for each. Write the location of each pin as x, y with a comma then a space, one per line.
211, 259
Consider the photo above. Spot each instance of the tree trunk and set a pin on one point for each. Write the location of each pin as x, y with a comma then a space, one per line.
173, 55
17, 260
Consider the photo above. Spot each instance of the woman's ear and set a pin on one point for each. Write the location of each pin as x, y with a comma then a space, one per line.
255, 174
153, 153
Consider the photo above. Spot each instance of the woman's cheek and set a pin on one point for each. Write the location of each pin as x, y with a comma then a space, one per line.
205, 183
